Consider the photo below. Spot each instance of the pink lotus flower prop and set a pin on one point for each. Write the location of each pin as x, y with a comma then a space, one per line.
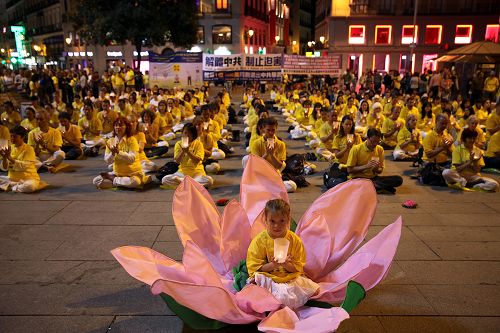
331, 229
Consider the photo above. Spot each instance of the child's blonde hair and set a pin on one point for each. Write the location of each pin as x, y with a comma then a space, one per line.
277, 206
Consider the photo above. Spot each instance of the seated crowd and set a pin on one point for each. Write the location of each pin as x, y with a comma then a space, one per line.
350, 130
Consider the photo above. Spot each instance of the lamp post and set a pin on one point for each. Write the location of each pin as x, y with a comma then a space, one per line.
68, 41
249, 35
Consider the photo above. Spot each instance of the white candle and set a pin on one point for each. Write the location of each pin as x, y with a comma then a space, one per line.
281, 249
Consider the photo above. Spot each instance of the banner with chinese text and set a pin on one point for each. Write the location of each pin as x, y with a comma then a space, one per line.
301, 65
242, 67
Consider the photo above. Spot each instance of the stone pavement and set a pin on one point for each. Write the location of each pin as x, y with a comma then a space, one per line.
57, 274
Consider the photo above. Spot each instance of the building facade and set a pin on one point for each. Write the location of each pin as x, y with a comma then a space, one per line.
379, 34
225, 27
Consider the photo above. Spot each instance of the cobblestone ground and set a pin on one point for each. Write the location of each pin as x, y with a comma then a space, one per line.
57, 274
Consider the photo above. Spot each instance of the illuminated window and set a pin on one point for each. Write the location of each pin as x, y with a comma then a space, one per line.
407, 34
356, 34
221, 34
221, 4
383, 34
433, 34
463, 34
200, 35
492, 32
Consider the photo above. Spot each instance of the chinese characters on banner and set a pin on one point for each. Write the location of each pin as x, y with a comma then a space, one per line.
300, 65
242, 67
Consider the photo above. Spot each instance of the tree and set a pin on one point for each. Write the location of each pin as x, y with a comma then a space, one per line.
141, 22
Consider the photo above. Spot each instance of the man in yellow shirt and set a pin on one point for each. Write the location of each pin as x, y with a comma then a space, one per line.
19, 159
47, 142
493, 122
71, 136
492, 154
438, 144
409, 140
366, 160
10, 117
491, 85
272, 149
390, 129
466, 164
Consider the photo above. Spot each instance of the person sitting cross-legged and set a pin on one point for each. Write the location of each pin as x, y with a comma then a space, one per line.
19, 159
366, 160
467, 161
409, 140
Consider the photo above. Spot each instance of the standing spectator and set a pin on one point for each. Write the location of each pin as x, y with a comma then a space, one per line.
491, 85
477, 86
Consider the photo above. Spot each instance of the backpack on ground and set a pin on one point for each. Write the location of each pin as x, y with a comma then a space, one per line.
431, 173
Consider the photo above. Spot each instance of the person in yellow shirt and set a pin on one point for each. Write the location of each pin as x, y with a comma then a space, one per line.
361, 117
78, 104
129, 78
319, 116
350, 109
165, 122
466, 165
427, 120
390, 129
272, 149
366, 160
438, 144
212, 153
151, 133
47, 142
91, 128
375, 118
472, 124
58, 104
10, 117
282, 276
107, 117
492, 154
123, 152
344, 141
146, 164
327, 132
491, 85
123, 108
29, 123
71, 136
189, 154
19, 160
483, 113
493, 122
409, 108
409, 140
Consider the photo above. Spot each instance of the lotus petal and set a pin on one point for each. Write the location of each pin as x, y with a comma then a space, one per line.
347, 210
210, 301
308, 320
254, 299
367, 266
235, 234
197, 219
259, 184
147, 265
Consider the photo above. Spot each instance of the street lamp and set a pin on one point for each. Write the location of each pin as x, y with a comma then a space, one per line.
322, 39
68, 40
249, 35
277, 39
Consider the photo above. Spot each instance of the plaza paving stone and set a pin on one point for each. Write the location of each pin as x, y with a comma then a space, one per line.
57, 274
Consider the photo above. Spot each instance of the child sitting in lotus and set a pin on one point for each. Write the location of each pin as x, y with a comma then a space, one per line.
283, 277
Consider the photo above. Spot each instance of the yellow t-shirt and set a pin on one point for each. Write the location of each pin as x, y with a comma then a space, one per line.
12, 120
94, 125
261, 250
493, 145
372, 121
491, 84
340, 142
141, 139
405, 111
187, 166
214, 128
492, 122
482, 116
73, 133
208, 143
258, 147
107, 122
461, 155
426, 124
24, 166
52, 138
404, 135
388, 126
431, 141
361, 155
324, 131
122, 167
29, 125
4, 133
